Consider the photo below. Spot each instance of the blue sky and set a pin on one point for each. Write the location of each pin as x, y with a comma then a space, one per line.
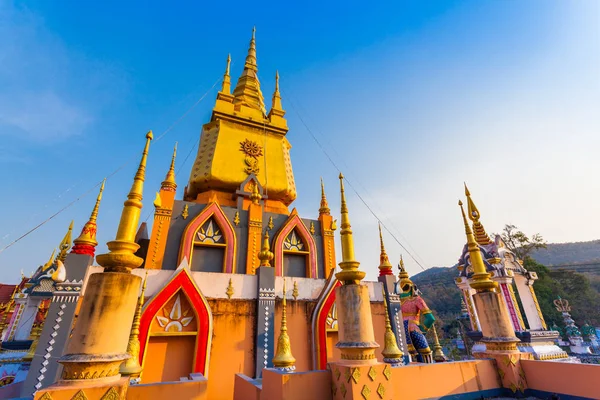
408, 98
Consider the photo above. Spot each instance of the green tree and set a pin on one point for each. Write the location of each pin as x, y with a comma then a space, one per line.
519, 243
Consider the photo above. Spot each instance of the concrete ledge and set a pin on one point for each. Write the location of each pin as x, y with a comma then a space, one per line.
246, 388
580, 381
194, 389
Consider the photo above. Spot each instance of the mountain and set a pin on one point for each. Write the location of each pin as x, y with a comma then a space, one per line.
582, 290
570, 254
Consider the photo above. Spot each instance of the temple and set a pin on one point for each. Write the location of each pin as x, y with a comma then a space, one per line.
234, 295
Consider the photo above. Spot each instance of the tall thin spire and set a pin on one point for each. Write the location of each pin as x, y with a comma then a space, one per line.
226, 87
350, 274
284, 360
265, 255
481, 278
65, 244
480, 235
247, 91
385, 267
86, 242
121, 257
391, 352
276, 107
438, 351
132, 367
324, 208
169, 182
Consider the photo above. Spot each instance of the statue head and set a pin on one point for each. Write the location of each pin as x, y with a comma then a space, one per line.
405, 284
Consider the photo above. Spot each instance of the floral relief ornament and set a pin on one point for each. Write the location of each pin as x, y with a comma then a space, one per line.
252, 151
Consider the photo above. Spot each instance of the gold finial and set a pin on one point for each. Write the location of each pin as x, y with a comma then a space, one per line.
438, 352
122, 256
276, 107
391, 352
65, 244
236, 218
271, 224
350, 274
481, 278
229, 291
50, 261
132, 367
324, 209
169, 182
403, 274
480, 235
284, 359
185, 212
247, 90
265, 255
86, 242
385, 267
255, 195
226, 87
295, 291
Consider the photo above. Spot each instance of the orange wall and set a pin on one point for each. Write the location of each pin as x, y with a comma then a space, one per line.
443, 379
168, 358
232, 349
193, 390
563, 378
313, 385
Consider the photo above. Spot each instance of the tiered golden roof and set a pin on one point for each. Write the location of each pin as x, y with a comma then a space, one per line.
479, 231
247, 91
481, 278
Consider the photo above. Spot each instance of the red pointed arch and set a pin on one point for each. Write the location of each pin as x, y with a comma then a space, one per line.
324, 304
183, 282
187, 240
294, 222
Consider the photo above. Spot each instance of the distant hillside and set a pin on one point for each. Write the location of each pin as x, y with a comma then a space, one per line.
569, 253
582, 291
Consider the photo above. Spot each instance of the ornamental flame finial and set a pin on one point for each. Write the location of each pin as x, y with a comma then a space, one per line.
132, 367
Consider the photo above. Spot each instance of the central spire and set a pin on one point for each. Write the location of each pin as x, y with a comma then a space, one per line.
481, 236
247, 91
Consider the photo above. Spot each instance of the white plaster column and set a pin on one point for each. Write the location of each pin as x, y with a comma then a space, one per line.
27, 318
530, 304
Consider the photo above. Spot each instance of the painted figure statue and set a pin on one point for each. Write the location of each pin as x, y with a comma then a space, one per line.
417, 317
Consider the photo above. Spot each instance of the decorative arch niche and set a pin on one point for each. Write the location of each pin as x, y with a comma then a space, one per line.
210, 229
295, 228
324, 324
177, 317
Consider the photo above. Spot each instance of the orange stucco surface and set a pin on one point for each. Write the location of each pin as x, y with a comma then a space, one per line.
192, 390
232, 348
298, 386
563, 378
436, 380
168, 358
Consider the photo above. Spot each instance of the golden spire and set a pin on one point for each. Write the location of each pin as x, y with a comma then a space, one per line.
350, 274
324, 209
385, 267
284, 359
480, 235
86, 242
65, 244
132, 367
276, 107
122, 256
255, 195
403, 274
265, 255
438, 352
481, 278
226, 87
247, 91
50, 261
169, 182
391, 352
